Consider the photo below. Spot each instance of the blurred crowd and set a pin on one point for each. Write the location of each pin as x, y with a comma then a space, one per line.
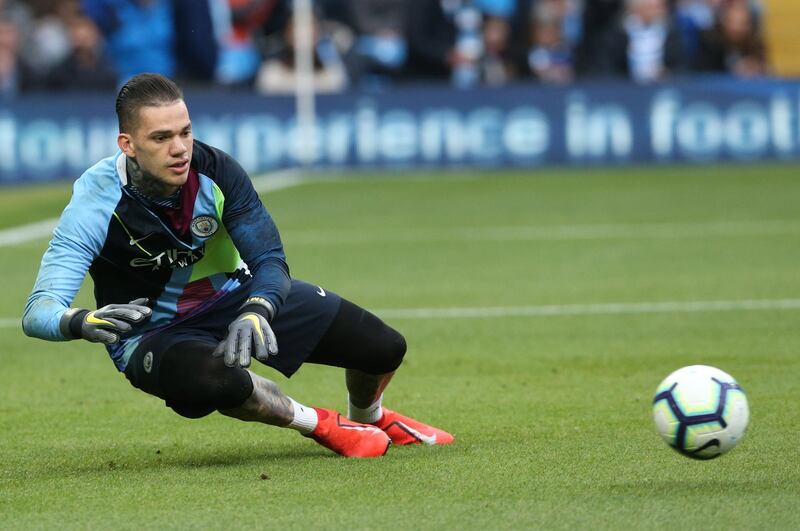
87, 45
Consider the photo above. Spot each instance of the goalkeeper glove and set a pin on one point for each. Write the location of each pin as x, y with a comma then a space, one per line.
250, 334
105, 325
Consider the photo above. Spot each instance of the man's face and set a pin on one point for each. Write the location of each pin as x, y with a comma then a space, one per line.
650, 11
736, 22
161, 142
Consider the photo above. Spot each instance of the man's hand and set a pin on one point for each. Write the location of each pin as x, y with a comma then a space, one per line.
107, 324
250, 334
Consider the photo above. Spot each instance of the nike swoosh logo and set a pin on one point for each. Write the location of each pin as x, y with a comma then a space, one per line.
134, 242
91, 319
256, 325
320, 292
427, 439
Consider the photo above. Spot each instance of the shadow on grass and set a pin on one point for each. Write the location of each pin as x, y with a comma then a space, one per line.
229, 457
111, 458
232, 457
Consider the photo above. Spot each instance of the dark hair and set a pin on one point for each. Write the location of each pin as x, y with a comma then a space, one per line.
144, 90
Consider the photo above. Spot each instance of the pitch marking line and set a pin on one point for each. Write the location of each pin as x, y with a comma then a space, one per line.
483, 312
271, 182
703, 229
590, 309
41, 229
280, 180
26, 233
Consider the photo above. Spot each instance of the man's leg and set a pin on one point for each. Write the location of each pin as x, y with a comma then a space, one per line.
194, 384
266, 404
363, 388
269, 405
365, 393
371, 351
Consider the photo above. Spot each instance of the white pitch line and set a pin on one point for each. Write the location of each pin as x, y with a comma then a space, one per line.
545, 233
279, 180
26, 233
270, 182
41, 229
590, 309
483, 312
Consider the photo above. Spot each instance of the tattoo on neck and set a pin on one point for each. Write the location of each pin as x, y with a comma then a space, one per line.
146, 182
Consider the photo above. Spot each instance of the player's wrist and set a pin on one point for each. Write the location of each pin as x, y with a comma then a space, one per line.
71, 324
260, 306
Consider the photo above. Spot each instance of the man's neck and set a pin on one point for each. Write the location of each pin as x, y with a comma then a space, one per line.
146, 183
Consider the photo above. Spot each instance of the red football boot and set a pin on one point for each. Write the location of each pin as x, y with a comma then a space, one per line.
348, 438
405, 430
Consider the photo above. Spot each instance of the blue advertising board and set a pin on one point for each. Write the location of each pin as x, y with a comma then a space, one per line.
51, 137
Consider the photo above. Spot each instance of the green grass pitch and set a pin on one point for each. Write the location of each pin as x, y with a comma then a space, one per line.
551, 412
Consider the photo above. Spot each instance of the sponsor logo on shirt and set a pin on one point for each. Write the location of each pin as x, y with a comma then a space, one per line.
171, 258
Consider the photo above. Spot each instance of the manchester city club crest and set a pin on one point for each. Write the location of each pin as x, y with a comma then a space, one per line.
204, 226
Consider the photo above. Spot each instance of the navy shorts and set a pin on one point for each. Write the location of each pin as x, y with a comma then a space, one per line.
301, 323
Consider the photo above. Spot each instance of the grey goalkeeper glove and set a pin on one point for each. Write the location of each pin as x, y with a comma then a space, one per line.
249, 335
107, 324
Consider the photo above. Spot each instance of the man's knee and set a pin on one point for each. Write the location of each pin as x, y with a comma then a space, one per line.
191, 411
359, 340
393, 349
195, 383
381, 347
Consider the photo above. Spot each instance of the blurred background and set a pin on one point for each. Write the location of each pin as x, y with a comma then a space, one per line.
388, 83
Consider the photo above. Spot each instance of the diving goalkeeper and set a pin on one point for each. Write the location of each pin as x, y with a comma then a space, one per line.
191, 283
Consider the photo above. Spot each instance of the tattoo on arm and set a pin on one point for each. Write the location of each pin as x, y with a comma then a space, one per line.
267, 404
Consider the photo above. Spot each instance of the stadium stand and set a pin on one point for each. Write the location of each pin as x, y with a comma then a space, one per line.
50, 45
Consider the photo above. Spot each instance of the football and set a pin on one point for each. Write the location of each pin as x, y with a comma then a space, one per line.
700, 411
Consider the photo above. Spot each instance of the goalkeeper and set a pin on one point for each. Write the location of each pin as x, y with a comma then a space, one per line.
191, 283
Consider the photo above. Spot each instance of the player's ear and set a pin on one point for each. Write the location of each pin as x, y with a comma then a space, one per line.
125, 144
